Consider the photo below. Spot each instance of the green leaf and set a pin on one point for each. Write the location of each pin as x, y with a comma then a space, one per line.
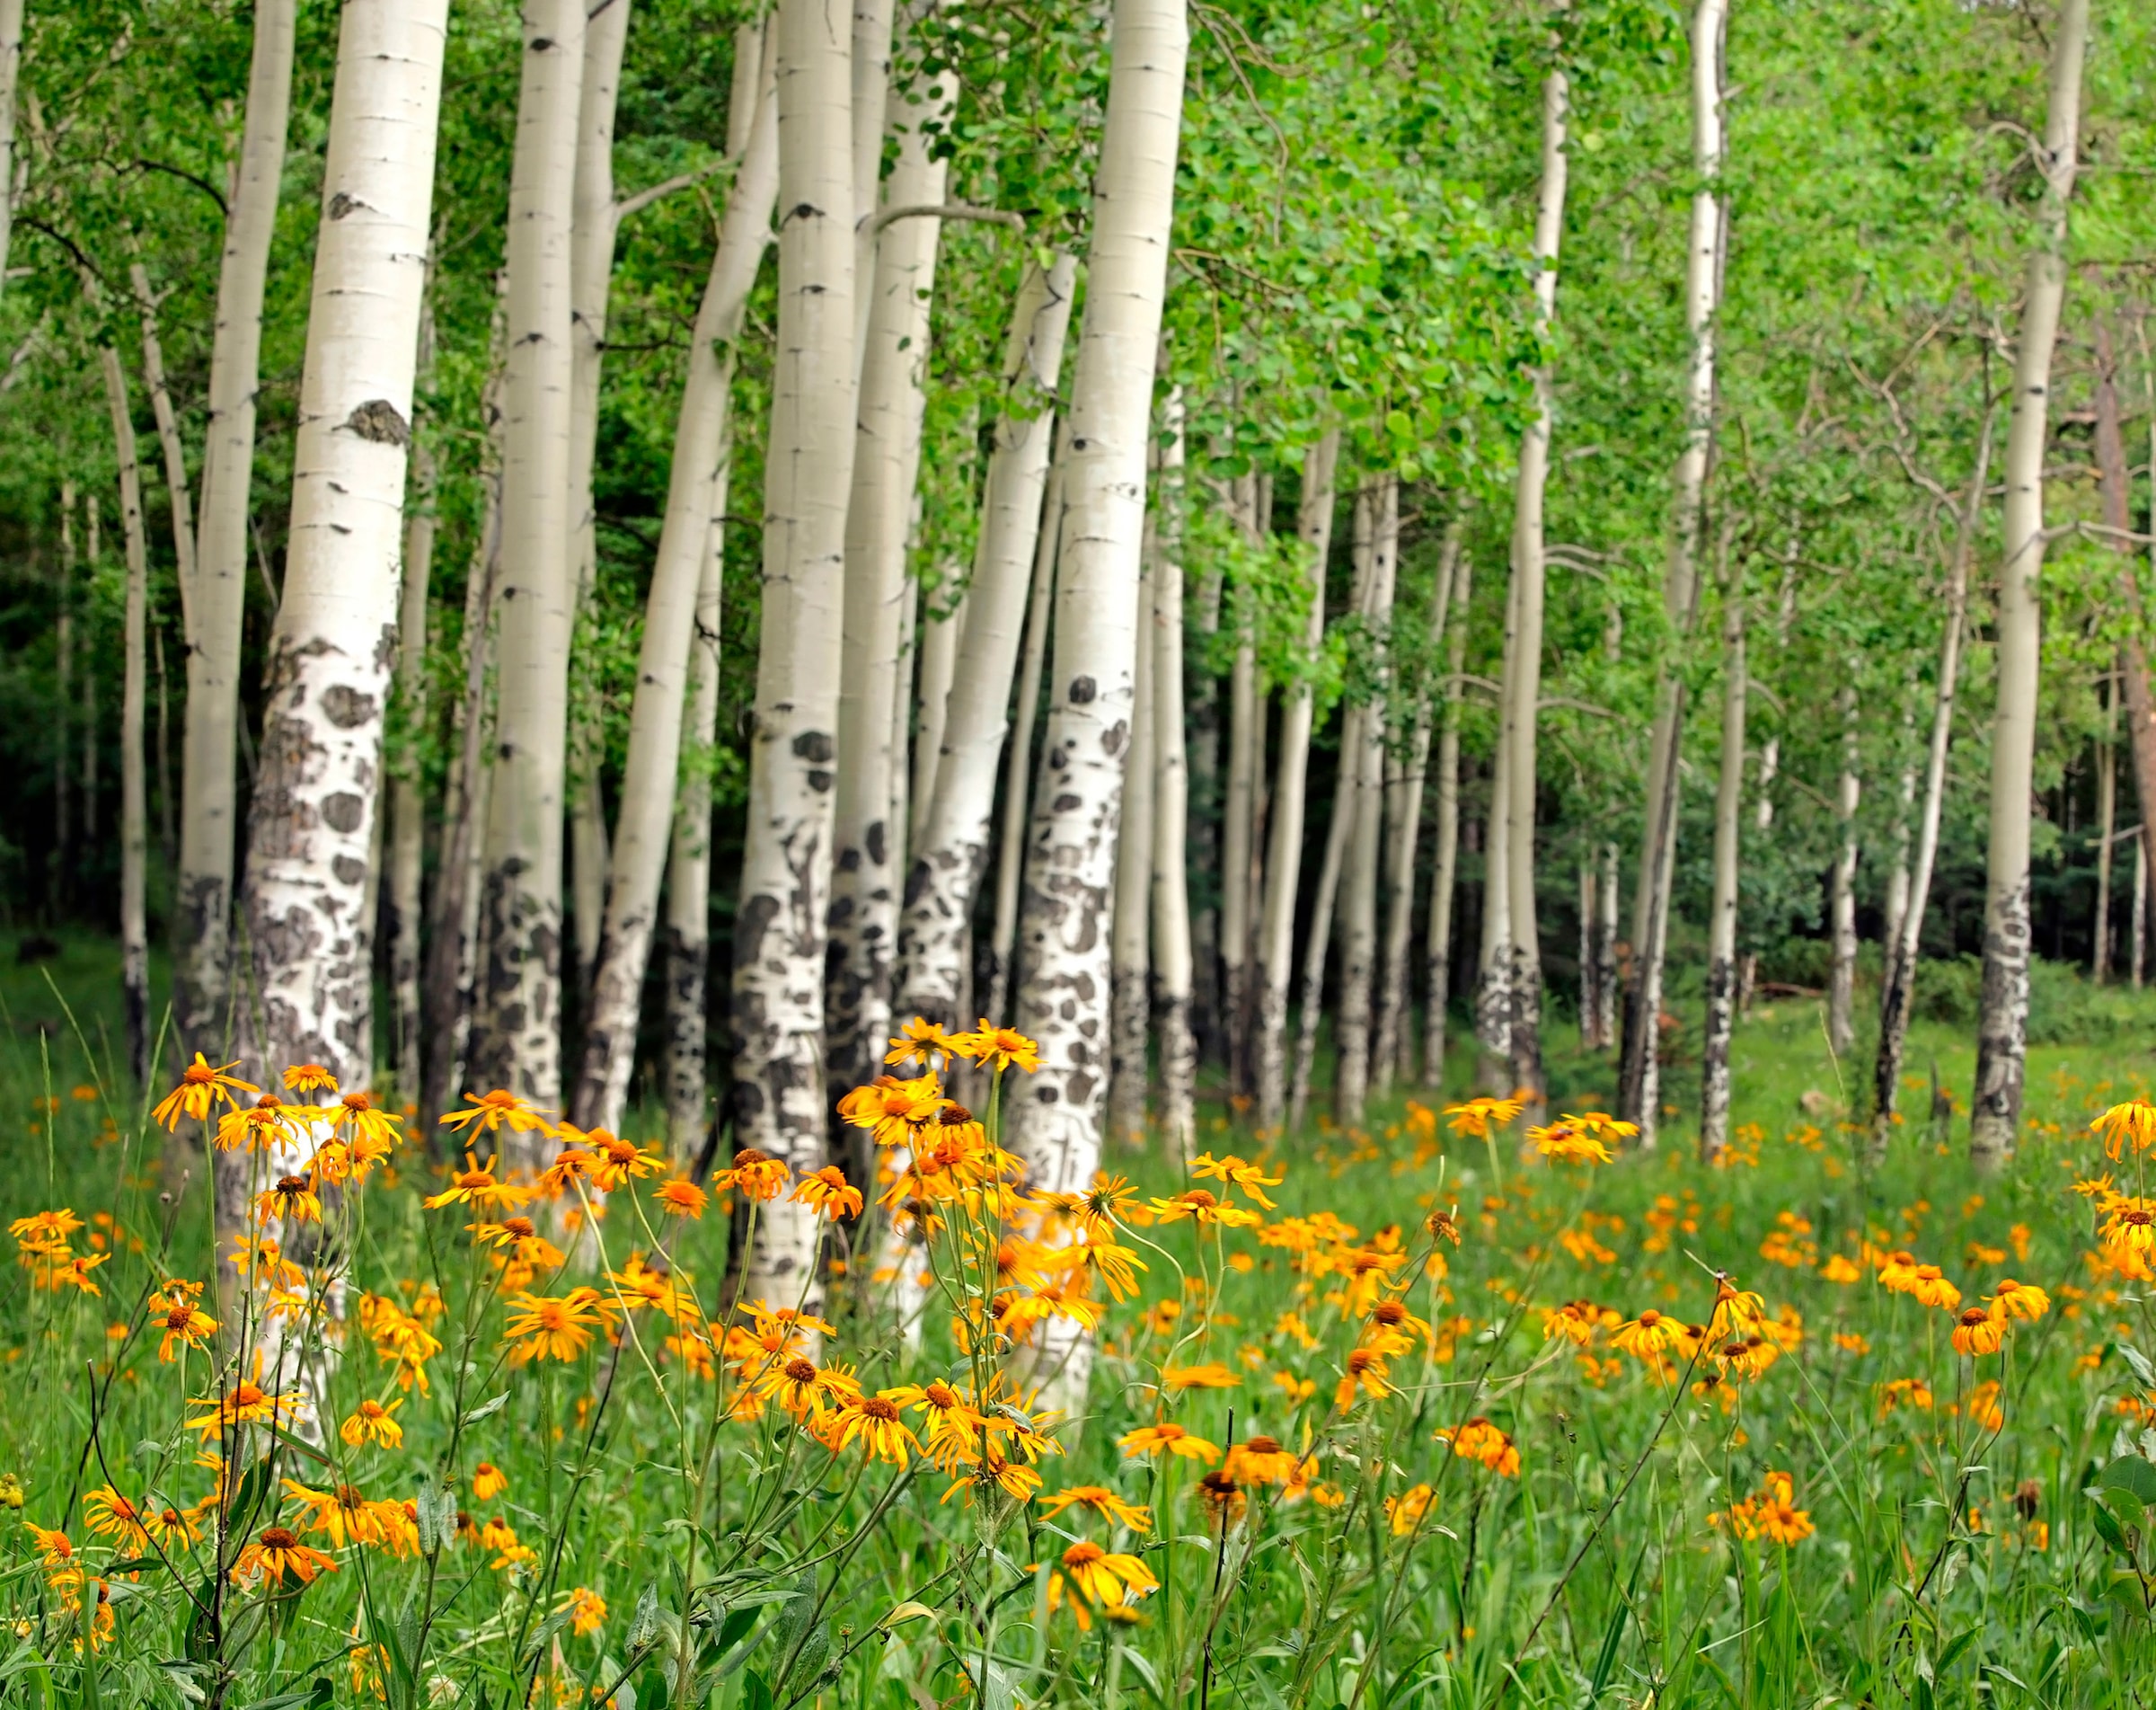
754, 1694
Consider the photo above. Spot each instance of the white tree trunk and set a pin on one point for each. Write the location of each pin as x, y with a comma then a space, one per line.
133, 819
2002, 1022
947, 863
1062, 997
1324, 905
937, 634
11, 76
169, 442
1284, 855
869, 83
517, 1028
312, 822
407, 806
1898, 976
673, 607
1239, 805
1437, 947
1493, 987
1525, 686
2106, 823
778, 983
1721, 922
1359, 891
1018, 759
1841, 903
216, 604
887, 463
1130, 996
1172, 956
2141, 906
593, 224
1640, 1075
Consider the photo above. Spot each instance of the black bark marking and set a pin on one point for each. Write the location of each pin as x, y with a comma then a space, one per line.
380, 420
345, 707
1083, 691
343, 812
816, 746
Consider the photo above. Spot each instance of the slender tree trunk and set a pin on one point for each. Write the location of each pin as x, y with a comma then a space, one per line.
1239, 806
1609, 903
1130, 1001
593, 224
1324, 907
869, 83
686, 933
1640, 1072
169, 443
1438, 946
11, 75
1394, 1053
778, 1083
1493, 985
939, 633
887, 462
314, 814
1063, 998
134, 818
1284, 855
1721, 924
2133, 684
91, 830
1018, 756
1172, 946
1590, 956
516, 1026
2106, 824
217, 606
1897, 876
1524, 685
673, 608
950, 857
1898, 976
1358, 896
1841, 907
2141, 906
2002, 1025
407, 797
63, 712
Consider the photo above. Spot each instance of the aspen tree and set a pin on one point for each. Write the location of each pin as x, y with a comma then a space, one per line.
948, 859
1728, 835
11, 77
673, 608
1172, 957
134, 818
216, 604
311, 819
1018, 760
1639, 1072
2106, 824
1841, 890
1493, 986
595, 221
1524, 686
1284, 855
2133, 684
517, 1037
1358, 890
880, 517
1898, 976
778, 978
2002, 1021
1130, 1001
169, 442
406, 807
1239, 802
1437, 950
1063, 991
936, 634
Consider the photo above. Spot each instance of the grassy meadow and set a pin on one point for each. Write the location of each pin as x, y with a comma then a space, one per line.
1327, 1456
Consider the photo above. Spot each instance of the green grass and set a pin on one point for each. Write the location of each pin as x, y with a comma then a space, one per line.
745, 1567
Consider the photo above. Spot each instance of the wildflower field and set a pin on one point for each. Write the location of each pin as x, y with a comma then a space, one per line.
1455, 1412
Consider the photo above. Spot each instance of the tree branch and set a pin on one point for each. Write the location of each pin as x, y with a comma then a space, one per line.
948, 210
643, 199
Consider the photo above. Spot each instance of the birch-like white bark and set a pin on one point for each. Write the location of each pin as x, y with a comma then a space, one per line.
1017, 758
1437, 950
516, 1026
1722, 917
1130, 997
2002, 1021
941, 622
880, 516
1365, 852
780, 926
1640, 1070
312, 818
169, 442
1291, 791
1841, 900
673, 610
949, 858
1525, 686
216, 604
1239, 806
1172, 956
1062, 995
1898, 977
11, 78
134, 817
407, 799
2106, 823
1493, 987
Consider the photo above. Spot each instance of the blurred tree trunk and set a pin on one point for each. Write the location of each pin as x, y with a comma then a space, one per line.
134, 818
1172, 954
1438, 946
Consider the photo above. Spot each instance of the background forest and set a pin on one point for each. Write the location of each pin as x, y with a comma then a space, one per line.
1322, 564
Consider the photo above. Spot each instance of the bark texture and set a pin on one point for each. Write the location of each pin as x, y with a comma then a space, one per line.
1842, 899
1130, 1001
1359, 879
950, 856
517, 1024
2002, 1020
216, 604
780, 930
1722, 917
1172, 956
1437, 945
134, 817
